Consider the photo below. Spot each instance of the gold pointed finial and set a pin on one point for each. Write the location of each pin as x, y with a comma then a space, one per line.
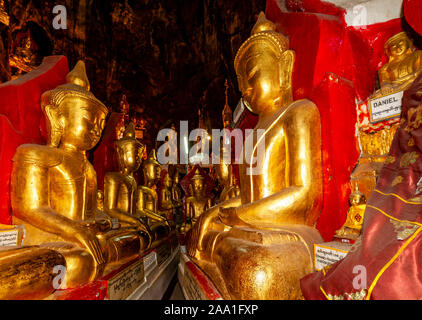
129, 136
78, 76
152, 158
197, 175
130, 131
263, 24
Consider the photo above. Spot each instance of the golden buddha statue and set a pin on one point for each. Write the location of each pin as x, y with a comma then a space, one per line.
404, 64
197, 203
353, 225
120, 187
54, 186
177, 198
147, 198
260, 244
165, 202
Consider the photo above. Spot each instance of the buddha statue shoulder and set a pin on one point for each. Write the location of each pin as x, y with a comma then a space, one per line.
279, 203
54, 186
404, 64
120, 187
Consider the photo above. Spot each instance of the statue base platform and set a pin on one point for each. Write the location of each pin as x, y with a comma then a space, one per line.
146, 277
328, 253
195, 284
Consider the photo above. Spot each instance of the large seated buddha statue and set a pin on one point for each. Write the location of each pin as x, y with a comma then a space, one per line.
120, 187
54, 186
260, 244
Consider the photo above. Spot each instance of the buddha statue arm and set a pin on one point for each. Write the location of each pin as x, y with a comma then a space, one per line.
299, 202
30, 202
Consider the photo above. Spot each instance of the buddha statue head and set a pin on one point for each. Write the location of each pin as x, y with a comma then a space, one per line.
356, 197
129, 150
151, 169
167, 181
75, 118
264, 67
197, 185
398, 45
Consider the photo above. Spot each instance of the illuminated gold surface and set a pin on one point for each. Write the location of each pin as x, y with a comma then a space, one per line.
28, 272
54, 187
120, 187
259, 245
403, 67
226, 178
4, 17
353, 225
147, 198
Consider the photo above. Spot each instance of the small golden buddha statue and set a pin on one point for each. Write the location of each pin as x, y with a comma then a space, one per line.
404, 64
259, 245
54, 186
353, 225
198, 202
147, 198
166, 204
120, 187
177, 198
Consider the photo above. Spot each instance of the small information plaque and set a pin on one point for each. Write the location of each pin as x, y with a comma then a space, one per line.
150, 261
11, 235
192, 288
385, 107
329, 252
125, 282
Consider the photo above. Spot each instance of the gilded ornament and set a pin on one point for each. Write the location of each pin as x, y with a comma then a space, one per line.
408, 158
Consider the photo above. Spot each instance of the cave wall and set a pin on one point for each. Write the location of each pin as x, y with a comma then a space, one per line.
168, 56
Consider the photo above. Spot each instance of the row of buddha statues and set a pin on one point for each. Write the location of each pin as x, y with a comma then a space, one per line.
254, 242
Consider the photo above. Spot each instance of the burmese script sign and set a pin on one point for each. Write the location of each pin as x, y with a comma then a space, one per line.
124, 283
329, 253
192, 287
10, 236
386, 107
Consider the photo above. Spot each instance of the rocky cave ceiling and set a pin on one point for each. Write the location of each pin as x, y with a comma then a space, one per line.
169, 57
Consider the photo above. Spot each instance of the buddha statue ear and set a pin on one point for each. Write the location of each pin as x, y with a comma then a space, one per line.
286, 64
55, 125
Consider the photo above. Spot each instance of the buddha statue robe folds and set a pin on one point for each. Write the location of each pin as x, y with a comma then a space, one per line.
387, 253
54, 187
260, 244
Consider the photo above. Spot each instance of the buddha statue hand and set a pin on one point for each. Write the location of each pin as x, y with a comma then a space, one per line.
230, 216
88, 239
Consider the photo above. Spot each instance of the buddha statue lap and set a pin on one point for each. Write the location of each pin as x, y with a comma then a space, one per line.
120, 187
54, 187
260, 244
147, 199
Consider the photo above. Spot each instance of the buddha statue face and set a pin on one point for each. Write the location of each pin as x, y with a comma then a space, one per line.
75, 118
129, 150
357, 198
398, 45
151, 169
197, 185
264, 68
82, 125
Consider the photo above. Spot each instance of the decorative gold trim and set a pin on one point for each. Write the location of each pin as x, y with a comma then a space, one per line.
397, 196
